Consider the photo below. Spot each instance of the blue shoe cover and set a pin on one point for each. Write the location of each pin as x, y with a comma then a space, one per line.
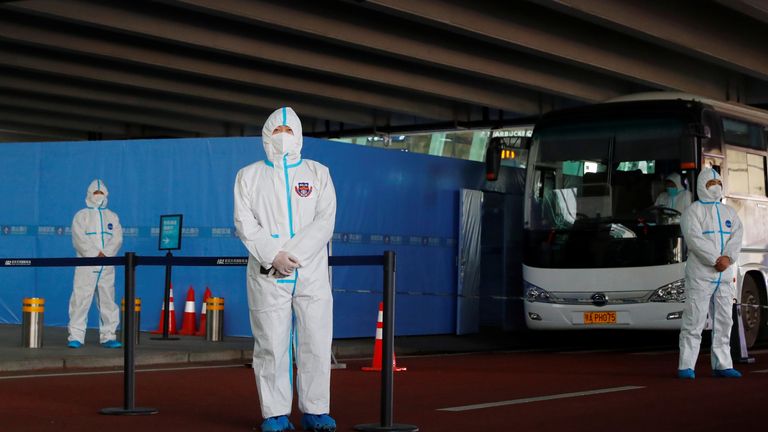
276, 424
726, 373
112, 344
74, 344
318, 423
686, 374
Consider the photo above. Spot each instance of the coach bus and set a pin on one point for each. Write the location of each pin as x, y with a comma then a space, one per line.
597, 252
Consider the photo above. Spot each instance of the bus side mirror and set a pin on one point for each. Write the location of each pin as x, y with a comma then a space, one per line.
493, 159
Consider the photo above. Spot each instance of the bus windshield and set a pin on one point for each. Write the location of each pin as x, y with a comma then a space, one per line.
595, 184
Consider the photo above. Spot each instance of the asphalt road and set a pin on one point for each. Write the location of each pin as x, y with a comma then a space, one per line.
600, 388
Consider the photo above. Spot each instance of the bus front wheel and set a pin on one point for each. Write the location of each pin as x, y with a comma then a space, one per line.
752, 314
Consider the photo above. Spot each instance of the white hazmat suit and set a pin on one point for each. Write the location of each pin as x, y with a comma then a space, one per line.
678, 199
95, 229
288, 204
711, 230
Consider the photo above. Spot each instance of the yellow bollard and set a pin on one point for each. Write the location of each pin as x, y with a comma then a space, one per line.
32, 322
214, 325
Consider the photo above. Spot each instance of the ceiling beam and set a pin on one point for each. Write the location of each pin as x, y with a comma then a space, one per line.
36, 118
702, 29
256, 47
42, 86
757, 9
569, 41
248, 98
109, 112
348, 25
191, 67
48, 133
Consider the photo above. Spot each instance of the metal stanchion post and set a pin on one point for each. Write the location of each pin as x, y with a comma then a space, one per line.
136, 320
388, 344
129, 368
167, 300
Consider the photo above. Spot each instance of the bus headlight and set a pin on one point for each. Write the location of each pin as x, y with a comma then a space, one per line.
536, 294
671, 292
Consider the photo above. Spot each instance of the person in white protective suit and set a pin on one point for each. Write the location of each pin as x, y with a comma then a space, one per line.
96, 232
285, 210
675, 196
713, 232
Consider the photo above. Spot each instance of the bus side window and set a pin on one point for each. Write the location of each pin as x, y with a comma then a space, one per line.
711, 145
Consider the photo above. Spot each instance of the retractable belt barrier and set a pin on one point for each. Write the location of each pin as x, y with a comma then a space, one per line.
130, 261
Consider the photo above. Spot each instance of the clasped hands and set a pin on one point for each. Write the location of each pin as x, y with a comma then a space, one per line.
722, 263
284, 265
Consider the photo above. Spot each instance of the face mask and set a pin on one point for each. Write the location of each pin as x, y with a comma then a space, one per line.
672, 191
284, 143
98, 199
716, 191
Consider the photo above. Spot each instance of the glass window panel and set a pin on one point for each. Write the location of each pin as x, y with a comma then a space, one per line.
738, 175
743, 134
756, 174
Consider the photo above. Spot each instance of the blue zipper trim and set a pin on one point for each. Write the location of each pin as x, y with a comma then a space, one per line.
285, 117
98, 278
284, 281
275, 235
288, 195
722, 246
293, 331
290, 349
720, 227
101, 223
269, 163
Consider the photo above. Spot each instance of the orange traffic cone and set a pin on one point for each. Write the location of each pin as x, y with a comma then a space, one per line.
188, 319
376, 363
171, 314
203, 314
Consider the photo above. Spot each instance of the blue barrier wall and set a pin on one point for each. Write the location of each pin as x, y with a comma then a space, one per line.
386, 200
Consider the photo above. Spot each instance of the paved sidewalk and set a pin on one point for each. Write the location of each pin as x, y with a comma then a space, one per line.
193, 349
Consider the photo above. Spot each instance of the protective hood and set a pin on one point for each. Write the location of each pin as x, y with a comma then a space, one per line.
277, 146
708, 195
90, 198
675, 178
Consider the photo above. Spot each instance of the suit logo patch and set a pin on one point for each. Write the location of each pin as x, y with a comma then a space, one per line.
303, 189
728, 223
109, 226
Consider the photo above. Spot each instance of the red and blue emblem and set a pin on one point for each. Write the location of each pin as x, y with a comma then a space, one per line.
303, 189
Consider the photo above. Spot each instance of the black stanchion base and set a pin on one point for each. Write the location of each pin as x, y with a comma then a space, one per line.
747, 360
132, 411
372, 427
164, 338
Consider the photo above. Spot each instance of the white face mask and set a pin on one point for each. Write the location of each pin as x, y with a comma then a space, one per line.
284, 143
98, 199
716, 191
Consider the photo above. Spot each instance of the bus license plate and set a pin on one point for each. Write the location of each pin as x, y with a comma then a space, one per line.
599, 317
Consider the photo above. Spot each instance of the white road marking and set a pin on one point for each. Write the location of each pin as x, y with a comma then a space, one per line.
45, 375
540, 398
